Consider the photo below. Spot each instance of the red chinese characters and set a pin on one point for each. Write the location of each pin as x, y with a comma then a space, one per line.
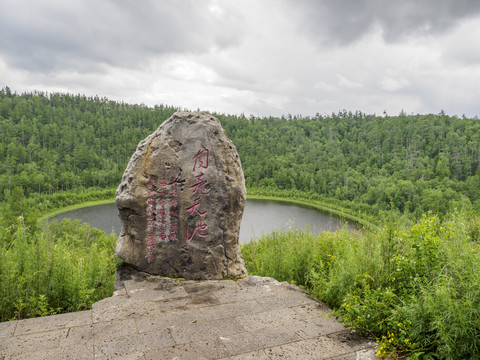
200, 189
200, 229
173, 214
150, 238
194, 208
162, 214
201, 159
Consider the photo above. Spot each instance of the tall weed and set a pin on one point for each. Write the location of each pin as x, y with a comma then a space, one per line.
64, 267
415, 288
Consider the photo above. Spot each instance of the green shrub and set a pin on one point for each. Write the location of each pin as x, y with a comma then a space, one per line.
61, 268
415, 289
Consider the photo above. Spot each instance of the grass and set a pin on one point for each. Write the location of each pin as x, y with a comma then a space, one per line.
414, 289
62, 267
65, 209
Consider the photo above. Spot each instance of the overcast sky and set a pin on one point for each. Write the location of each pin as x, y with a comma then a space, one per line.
261, 57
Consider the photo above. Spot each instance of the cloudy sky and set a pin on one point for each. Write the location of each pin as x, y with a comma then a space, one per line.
261, 57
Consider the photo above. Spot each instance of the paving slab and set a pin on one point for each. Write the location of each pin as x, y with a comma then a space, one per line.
7, 328
245, 342
192, 301
232, 309
284, 300
313, 309
124, 310
60, 321
198, 350
105, 349
168, 319
313, 327
255, 355
152, 317
365, 354
317, 348
206, 330
272, 318
99, 331
209, 286
31, 342
154, 288
74, 352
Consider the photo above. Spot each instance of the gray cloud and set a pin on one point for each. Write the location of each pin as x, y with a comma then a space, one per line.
83, 35
341, 22
266, 57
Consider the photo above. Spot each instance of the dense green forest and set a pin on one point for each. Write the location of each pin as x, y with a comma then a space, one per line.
412, 283
418, 163
52, 142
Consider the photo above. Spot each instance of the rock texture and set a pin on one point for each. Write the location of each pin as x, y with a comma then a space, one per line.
181, 201
153, 317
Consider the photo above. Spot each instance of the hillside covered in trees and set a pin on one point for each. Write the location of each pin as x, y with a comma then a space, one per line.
412, 283
418, 163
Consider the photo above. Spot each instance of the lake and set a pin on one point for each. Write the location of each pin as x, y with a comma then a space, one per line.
260, 216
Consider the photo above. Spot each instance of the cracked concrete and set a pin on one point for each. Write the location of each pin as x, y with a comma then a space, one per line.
152, 317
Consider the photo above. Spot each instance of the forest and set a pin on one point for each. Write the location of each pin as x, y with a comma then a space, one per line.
417, 177
417, 163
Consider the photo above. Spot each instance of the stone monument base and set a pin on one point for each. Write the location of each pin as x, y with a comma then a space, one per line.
153, 317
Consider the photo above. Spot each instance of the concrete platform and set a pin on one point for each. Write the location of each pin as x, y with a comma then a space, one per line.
152, 318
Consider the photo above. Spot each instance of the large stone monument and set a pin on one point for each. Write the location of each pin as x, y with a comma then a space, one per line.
181, 201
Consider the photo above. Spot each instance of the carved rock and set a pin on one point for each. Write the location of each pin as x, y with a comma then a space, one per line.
181, 201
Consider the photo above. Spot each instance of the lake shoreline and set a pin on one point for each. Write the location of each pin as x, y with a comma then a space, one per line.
308, 204
283, 200
73, 207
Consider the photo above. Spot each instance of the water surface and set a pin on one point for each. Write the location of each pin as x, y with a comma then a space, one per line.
260, 216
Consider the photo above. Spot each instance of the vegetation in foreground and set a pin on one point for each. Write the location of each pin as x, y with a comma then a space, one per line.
416, 289
51, 268
63, 267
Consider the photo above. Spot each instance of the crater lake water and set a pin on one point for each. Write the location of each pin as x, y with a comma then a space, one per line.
260, 216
